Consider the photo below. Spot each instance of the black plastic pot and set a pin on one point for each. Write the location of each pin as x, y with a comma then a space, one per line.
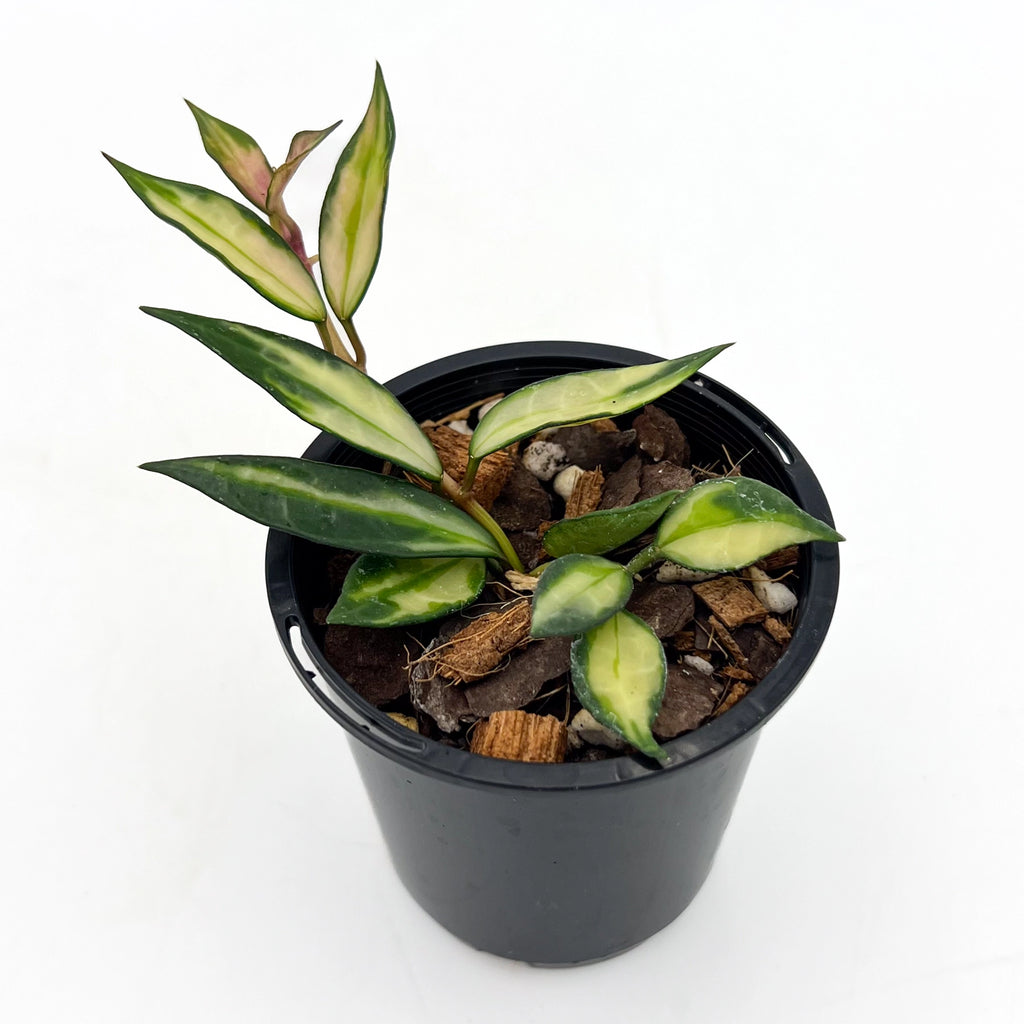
571, 863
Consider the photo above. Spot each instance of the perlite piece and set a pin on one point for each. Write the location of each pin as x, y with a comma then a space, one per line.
520, 736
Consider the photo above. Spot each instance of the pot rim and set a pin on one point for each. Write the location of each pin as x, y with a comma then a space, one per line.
819, 574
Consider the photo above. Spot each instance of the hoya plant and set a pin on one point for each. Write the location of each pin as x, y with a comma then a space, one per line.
426, 545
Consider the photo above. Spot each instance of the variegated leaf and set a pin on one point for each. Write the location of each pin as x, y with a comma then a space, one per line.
383, 591
321, 388
728, 523
237, 155
335, 505
578, 397
606, 529
619, 672
353, 209
236, 236
576, 593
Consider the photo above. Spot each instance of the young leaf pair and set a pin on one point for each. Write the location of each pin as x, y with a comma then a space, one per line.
270, 255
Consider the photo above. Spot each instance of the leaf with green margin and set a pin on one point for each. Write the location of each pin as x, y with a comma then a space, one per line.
353, 210
576, 593
245, 244
619, 672
606, 529
579, 397
383, 591
237, 154
335, 505
317, 386
728, 523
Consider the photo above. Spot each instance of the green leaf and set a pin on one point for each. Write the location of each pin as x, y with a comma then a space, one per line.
384, 591
236, 236
237, 155
321, 388
353, 209
578, 397
606, 529
335, 505
576, 593
728, 523
619, 672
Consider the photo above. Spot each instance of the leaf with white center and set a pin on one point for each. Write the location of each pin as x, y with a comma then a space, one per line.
383, 591
619, 672
728, 523
576, 593
579, 397
606, 529
236, 236
237, 155
353, 209
317, 386
334, 505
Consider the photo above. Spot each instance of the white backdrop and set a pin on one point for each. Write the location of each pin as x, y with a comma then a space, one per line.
836, 188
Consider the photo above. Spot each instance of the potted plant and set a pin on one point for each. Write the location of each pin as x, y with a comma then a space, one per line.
550, 863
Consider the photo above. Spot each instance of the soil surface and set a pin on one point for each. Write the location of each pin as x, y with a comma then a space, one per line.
450, 675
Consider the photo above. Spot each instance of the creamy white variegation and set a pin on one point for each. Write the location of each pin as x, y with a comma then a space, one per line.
579, 397
235, 235
618, 671
353, 210
318, 386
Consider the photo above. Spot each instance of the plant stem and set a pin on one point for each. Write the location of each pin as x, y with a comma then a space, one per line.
642, 559
332, 340
473, 508
467, 481
357, 345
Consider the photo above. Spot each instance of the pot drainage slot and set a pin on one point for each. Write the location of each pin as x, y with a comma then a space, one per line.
343, 710
784, 453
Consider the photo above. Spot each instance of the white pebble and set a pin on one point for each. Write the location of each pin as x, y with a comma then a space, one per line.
585, 728
565, 481
670, 572
702, 666
544, 459
486, 408
776, 597
460, 427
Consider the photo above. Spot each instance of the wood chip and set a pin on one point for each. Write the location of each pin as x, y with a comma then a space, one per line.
760, 650
665, 607
727, 643
523, 504
623, 486
586, 494
730, 600
452, 449
659, 436
778, 630
736, 692
732, 672
520, 682
373, 661
520, 736
690, 698
784, 559
476, 650
589, 448
662, 477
